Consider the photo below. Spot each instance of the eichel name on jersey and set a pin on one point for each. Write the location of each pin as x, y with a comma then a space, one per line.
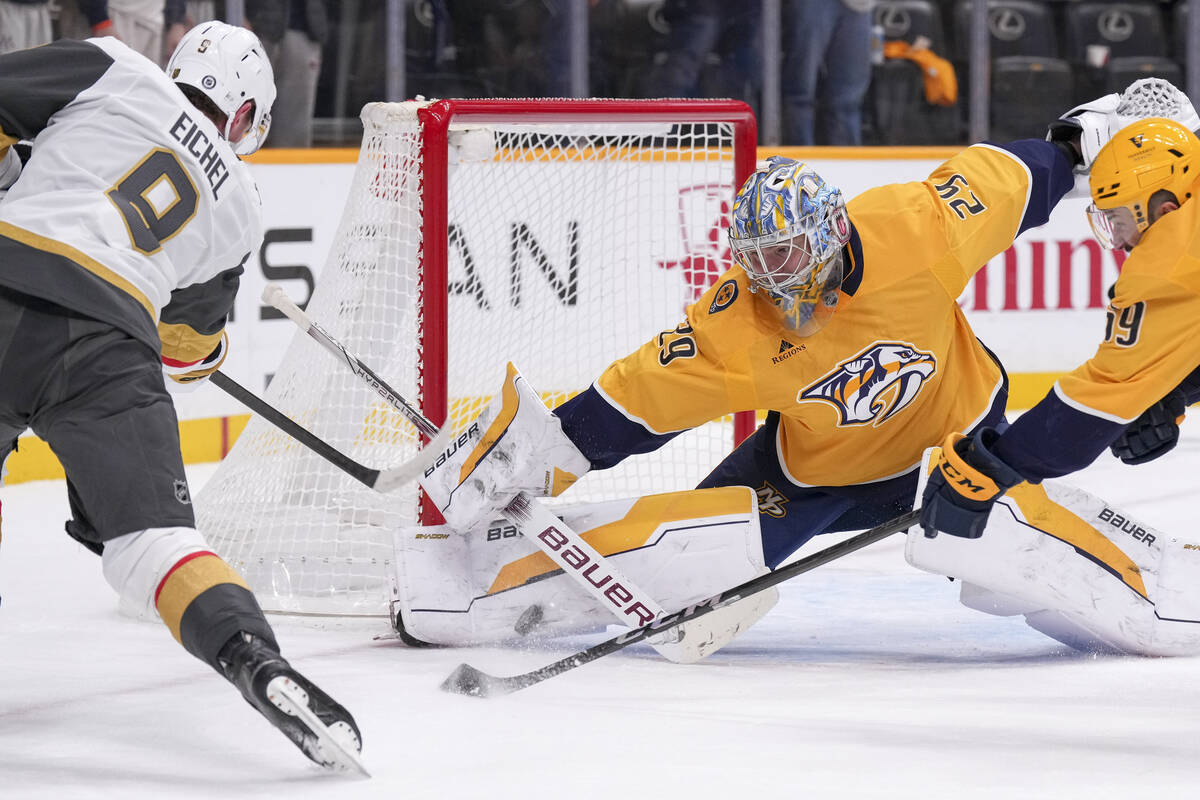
187, 132
1150, 347
142, 218
892, 372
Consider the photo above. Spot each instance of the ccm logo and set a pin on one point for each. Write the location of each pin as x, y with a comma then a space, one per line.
963, 481
596, 575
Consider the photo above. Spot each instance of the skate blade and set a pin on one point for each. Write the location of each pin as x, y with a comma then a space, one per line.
336, 746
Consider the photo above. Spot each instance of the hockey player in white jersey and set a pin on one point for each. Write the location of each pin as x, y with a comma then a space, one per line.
122, 239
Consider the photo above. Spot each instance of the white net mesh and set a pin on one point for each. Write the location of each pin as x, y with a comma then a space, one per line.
570, 243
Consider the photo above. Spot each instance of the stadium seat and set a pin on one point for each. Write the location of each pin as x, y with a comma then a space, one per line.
1126, 29
1112, 44
635, 36
1030, 83
896, 111
1015, 28
1028, 92
910, 19
1179, 23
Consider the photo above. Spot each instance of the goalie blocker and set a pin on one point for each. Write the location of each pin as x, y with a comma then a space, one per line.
490, 584
1078, 569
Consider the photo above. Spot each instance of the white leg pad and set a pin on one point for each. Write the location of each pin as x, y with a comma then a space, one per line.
1078, 570
492, 585
134, 564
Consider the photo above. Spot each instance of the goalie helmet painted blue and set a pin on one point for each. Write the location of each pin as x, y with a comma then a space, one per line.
789, 227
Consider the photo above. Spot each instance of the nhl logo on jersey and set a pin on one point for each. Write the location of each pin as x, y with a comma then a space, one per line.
875, 385
181, 492
727, 292
209, 82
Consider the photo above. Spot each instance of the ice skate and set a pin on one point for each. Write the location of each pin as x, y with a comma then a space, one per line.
320, 727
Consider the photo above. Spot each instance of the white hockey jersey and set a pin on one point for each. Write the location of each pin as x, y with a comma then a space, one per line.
131, 209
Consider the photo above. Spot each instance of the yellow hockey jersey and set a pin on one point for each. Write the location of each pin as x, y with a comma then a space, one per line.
895, 369
1150, 342
1150, 346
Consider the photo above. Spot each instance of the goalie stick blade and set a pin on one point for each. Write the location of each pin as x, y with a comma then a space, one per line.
394, 478
466, 680
470, 681
336, 745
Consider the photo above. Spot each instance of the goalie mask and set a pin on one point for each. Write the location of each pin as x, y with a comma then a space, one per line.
788, 230
1146, 157
228, 65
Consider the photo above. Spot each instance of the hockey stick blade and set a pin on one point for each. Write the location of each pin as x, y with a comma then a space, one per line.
472, 682
385, 480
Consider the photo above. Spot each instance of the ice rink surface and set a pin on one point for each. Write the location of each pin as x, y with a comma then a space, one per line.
868, 680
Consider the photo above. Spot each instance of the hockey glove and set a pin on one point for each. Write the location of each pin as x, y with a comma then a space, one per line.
515, 445
1152, 434
1098, 121
967, 479
192, 374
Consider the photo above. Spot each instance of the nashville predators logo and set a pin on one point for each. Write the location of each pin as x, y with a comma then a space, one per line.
875, 385
771, 501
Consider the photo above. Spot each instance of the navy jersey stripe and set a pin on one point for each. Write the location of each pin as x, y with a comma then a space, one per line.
1053, 439
1051, 176
602, 433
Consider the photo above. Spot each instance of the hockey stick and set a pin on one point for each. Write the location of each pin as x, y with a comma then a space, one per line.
380, 480
470, 681
567, 549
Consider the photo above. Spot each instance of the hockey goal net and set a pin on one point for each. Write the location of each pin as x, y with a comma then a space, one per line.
558, 234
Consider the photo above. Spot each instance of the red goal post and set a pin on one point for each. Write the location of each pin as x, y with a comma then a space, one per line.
559, 234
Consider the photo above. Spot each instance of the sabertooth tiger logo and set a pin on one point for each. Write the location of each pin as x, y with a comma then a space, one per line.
873, 386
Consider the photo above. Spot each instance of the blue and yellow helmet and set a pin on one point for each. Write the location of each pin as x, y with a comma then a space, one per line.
789, 227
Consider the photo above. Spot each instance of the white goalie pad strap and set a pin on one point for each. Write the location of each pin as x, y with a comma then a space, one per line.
134, 564
1078, 570
516, 445
492, 585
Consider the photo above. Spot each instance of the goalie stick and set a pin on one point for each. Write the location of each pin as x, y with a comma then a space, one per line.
567, 549
473, 682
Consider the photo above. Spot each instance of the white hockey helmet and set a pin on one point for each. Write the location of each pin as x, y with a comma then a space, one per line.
229, 66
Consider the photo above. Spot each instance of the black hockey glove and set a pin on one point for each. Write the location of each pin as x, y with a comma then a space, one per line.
966, 481
1152, 434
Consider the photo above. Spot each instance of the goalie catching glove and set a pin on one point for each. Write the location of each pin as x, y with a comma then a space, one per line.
1098, 121
516, 445
966, 481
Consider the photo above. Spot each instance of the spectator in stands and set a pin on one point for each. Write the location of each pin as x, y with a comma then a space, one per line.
138, 23
827, 54
23, 23
293, 33
700, 28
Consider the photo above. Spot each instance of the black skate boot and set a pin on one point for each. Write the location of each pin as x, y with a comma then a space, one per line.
319, 726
